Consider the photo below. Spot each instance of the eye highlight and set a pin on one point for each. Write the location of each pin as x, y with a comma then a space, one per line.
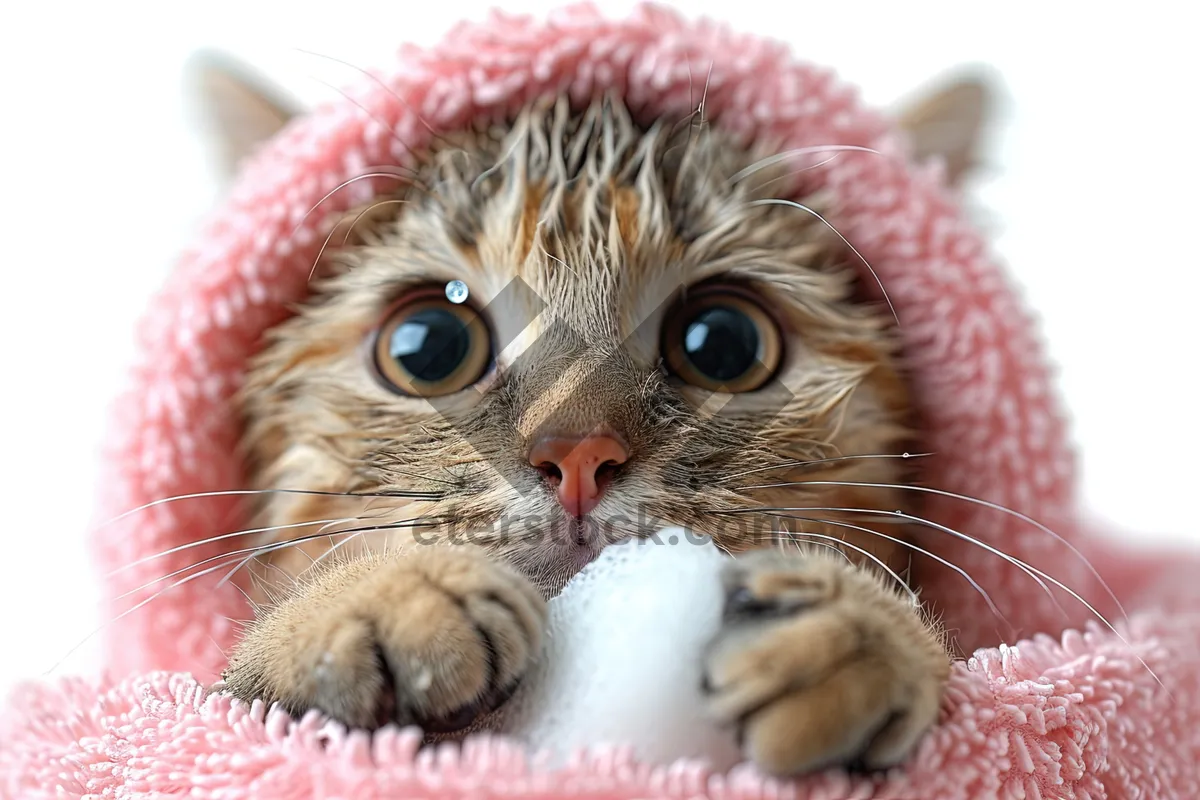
428, 346
721, 340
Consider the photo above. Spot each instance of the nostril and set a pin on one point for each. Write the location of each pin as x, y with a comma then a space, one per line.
551, 472
607, 471
578, 469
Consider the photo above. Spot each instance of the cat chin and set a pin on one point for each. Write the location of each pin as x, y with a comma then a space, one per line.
551, 554
551, 565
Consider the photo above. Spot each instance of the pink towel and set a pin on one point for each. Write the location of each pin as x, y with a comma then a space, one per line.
1058, 713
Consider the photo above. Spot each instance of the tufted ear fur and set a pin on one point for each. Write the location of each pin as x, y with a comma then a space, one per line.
236, 109
949, 123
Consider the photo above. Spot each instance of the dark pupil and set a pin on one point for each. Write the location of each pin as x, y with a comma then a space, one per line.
430, 344
722, 343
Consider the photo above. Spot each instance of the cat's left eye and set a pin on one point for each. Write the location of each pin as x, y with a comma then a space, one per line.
428, 346
721, 339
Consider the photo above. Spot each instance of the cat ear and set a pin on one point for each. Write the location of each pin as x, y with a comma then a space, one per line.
949, 124
235, 108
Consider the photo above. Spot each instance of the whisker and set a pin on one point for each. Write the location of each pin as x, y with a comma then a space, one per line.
843, 543
425, 478
321, 253
814, 461
267, 586
372, 76
1028, 569
273, 547
690, 87
252, 551
378, 173
777, 158
188, 579
129, 611
333, 231
791, 174
249, 599
704, 94
366, 211
367, 111
328, 552
220, 649
500, 163
245, 492
234, 534
984, 503
775, 201
914, 548
701, 110
826, 545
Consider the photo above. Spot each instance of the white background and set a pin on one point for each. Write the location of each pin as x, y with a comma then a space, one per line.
103, 178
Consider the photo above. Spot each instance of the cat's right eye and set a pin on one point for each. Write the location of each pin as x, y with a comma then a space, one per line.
722, 339
428, 346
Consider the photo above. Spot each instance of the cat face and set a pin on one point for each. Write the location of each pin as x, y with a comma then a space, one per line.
573, 331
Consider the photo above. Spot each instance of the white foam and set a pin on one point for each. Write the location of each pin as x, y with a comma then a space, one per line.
622, 657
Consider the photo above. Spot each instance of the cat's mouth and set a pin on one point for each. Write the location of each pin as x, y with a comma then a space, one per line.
575, 542
582, 539
567, 546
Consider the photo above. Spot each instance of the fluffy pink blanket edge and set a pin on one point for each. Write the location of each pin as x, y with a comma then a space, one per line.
1080, 716
1093, 714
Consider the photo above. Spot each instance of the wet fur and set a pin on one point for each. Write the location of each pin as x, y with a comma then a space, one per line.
607, 219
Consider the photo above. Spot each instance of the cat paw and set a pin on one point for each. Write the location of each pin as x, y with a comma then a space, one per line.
818, 663
435, 638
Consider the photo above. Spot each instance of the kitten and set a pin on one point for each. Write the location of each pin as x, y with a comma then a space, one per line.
566, 330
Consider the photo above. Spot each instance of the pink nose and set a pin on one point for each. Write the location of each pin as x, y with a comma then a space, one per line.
578, 466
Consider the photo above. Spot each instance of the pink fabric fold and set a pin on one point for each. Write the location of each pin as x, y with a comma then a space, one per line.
1061, 713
